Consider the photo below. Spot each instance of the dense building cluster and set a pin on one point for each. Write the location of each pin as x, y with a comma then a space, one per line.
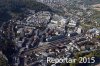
43, 34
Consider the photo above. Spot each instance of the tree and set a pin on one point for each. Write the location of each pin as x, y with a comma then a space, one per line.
3, 62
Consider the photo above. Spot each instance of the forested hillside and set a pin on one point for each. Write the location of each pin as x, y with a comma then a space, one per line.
17, 7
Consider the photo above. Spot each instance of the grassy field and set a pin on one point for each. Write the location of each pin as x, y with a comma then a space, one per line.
96, 16
96, 7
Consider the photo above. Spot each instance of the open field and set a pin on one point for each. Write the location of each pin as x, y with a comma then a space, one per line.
96, 7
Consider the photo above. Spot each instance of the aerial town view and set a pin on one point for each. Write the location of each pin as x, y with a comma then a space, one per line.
49, 32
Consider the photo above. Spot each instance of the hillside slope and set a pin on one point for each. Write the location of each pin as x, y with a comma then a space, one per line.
17, 7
